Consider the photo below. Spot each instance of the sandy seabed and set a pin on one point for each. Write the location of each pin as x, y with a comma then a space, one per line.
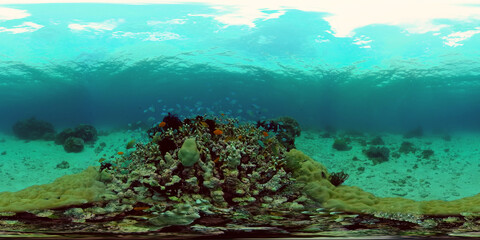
453, 171
26, 163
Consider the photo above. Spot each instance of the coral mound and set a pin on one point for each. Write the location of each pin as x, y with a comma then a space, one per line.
33, 129
68, 190
240, 167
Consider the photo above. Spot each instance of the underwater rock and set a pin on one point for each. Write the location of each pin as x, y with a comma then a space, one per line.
377, 154
33, 129
63, 135
341, 145
73, 144
86, 132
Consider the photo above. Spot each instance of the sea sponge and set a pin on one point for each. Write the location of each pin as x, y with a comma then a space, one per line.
188, 153
65, 191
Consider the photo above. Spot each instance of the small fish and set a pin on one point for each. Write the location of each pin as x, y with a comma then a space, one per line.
265, 134
162, 124
218, 132
120, 153
101, 160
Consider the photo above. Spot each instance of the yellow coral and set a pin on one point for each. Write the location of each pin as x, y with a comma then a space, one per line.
314, 177
65, 191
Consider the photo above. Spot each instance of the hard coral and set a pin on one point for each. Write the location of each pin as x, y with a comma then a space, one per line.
227, 170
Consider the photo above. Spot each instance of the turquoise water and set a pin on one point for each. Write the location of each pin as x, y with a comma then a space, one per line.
367, 67
105, 64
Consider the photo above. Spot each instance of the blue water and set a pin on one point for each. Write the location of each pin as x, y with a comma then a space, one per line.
107, 64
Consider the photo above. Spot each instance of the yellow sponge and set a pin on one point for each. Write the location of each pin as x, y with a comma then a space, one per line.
65, 191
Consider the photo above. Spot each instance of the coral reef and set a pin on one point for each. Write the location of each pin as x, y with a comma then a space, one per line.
33, 129
285, 129
196, 180
191, 174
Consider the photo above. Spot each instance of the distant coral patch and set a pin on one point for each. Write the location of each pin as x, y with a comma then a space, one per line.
33, 129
